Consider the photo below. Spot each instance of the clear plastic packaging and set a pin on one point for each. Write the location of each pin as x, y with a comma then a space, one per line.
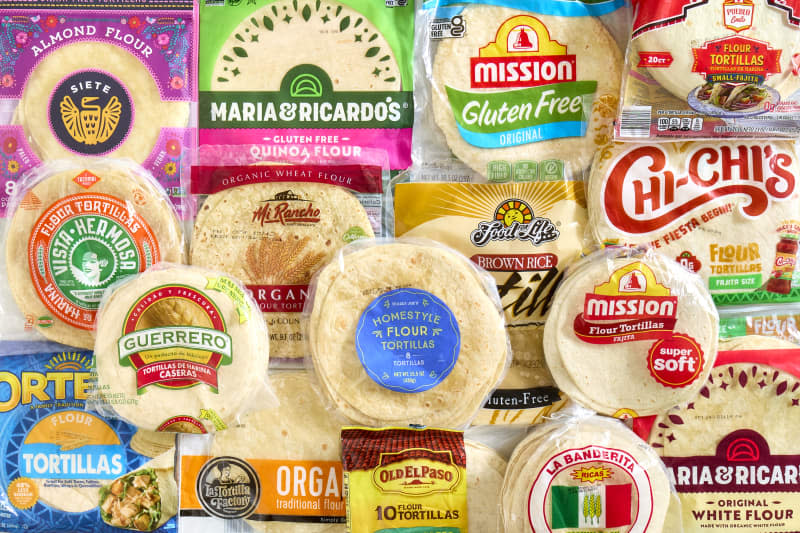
181, 349
405, 332
74, 228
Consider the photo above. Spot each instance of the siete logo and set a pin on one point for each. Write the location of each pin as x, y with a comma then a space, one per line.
522, 55
433, 472
514, 220
645, 190
91, 112
284, 208
228, 487
737, 15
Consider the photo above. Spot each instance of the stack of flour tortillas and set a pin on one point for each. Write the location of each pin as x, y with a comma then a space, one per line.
631, 333
273, 237
74, 231
405, 333
586, 473
181, 349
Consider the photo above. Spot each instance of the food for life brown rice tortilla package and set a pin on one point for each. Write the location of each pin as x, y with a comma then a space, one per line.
732, 450
525, 235
728, 210
274, 225
405, 332
703, 69
513, 90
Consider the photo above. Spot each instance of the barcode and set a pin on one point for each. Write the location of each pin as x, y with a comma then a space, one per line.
635, 121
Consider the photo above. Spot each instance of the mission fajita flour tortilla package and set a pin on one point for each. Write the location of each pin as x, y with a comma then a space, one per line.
274, 226
583, 473
732, 450
104, 78
74, 229
525, 235
405, 332
728, 210
66, 469
299, 78
712, 69
181, 349
514, 91
630, 333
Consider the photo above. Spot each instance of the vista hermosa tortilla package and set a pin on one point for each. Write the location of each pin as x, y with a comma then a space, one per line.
105, 80
525, 235
304, 78
60, 462
712, 69
514, 90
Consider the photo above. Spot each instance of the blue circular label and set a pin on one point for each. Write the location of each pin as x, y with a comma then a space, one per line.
408, 340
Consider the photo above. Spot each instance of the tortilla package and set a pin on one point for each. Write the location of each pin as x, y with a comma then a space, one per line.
524, 235
630, 333
781, 321
61, 462
712, 69
310, 79
732, 452
273, 226
514, 90
405, 332
73, 231
105, 80
587, 473
181, 349
729, 211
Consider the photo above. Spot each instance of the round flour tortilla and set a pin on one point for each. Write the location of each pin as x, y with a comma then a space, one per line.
716, 219
597, 56
534, 469
150, 113
350, 283
272, 41
127, 211
485, 470
228, 237
705, 22
610, 376
167, 299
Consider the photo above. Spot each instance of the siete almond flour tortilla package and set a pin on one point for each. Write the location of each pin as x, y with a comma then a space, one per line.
525, 235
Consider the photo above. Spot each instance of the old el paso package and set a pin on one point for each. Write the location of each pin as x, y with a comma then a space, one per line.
62, 468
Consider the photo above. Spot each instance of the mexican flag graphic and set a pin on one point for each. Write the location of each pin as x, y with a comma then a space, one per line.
590, 507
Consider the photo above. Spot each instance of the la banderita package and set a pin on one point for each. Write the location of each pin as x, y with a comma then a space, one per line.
293, 78
712, 69
524, 235
102, 79
66, 469
511, 90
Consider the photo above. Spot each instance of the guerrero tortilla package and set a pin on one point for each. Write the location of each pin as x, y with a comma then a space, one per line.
712, 69
511, 90
181, 349
726, 210
524, 235
732, 451
65, 469
405, 332
105, 80
273, 226
306, 78
74, 229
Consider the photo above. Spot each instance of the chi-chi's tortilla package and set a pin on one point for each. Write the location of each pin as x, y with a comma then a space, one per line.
512, 90
732, 451
524, 235
712, 69
307, 78
729, 211
274, 226
64, 469
630, 333
102, 79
